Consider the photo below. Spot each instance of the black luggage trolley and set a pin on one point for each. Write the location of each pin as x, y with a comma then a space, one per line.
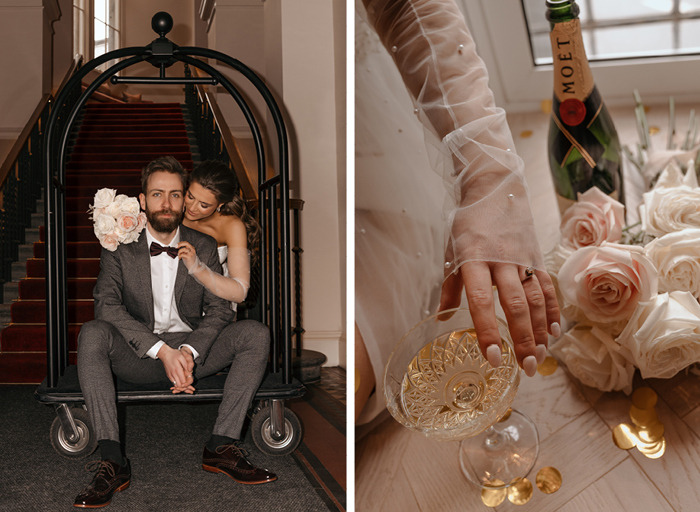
276, 430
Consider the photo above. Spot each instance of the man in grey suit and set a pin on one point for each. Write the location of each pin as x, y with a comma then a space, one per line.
155, 323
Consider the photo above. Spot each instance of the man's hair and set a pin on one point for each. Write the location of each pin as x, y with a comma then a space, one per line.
165, 164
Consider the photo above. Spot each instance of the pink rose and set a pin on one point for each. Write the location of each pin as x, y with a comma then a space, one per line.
594, 219
110, 241
127, 222
608, 282
141, 221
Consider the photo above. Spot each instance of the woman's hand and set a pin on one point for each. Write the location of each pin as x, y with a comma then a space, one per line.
187, 253
528, 300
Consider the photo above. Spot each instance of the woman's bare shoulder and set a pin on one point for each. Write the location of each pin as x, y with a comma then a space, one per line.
231, 230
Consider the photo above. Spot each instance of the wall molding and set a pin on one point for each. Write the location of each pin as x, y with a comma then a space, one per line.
52, 9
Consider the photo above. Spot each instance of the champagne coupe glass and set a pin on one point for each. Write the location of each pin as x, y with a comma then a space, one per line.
438, 383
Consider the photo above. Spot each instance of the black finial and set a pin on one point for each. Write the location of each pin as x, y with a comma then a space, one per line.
162, 23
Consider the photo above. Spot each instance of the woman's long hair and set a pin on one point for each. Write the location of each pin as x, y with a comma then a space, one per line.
220, 180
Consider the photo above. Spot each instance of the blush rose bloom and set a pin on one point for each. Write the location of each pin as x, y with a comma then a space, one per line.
594, 357
127, 222
104, 197
104, 224
676, 256
142, 220
672, 205
608, 282
131, 205
595, 218
554, 260
663, 335
110, 241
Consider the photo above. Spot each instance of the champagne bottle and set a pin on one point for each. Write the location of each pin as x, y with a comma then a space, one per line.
584, 150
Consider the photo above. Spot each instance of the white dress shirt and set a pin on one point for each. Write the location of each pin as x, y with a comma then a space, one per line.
163, 274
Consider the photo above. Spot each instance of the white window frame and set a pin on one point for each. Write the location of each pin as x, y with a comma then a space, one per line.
500, 34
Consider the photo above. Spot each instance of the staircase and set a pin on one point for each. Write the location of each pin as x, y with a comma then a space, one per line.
111, 146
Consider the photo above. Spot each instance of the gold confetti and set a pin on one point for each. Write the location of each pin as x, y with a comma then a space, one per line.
644, 398
652, 450
494, 492
625, 436
520, 491
651, 434
643, 417
548, 480
506, 415
546, 106
653, 130
525, 134
548, 366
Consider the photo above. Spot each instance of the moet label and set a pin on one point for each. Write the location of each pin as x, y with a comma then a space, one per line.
572, 75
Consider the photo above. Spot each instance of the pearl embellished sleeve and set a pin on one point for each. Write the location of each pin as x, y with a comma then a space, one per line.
487, 208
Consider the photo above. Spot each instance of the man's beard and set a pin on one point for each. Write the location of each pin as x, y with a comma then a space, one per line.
162, 225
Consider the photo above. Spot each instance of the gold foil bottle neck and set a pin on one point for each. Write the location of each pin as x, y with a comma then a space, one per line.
572, 74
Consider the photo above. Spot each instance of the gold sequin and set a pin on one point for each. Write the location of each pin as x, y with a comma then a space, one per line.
525, 134
506, 415
644, 398
652, 450
494, 492
546, 106
625, 436
548, 366
520, 491
548, 480
653, 130
643, 417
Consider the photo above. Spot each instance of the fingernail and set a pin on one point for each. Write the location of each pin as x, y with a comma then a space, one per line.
540, 353
555, 329
530, 366
493, 355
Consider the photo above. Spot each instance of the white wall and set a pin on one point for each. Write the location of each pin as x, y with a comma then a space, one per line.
25, 34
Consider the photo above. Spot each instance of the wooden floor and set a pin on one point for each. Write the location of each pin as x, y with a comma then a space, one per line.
397, 470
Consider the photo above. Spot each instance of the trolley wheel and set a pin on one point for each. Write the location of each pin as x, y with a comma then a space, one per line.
86, 443
260, 428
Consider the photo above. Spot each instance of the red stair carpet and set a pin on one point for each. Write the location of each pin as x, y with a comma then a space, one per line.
114, 143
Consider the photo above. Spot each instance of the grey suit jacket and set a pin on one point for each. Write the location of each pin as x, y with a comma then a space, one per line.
124, 296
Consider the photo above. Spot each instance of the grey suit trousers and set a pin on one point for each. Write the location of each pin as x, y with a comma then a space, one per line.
103, 351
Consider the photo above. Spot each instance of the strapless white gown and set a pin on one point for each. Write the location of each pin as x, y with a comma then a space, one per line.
223, 258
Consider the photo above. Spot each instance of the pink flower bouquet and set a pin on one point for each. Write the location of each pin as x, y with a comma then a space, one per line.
633, 297
117, 219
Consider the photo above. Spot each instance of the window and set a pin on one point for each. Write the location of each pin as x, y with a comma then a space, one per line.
649, 45
95, 28
623, 29
106, 34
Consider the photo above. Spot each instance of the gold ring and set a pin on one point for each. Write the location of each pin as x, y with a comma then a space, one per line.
529, 272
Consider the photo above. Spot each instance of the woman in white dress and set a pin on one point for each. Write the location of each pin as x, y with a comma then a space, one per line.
489, 231
213, 206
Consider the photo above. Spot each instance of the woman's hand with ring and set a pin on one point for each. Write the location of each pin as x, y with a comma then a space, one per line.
187, 253
529, 302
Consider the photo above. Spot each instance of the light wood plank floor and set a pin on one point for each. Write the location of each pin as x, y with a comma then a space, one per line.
397, 470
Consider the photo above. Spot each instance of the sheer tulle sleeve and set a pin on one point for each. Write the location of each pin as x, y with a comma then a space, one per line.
488, 208
233, 287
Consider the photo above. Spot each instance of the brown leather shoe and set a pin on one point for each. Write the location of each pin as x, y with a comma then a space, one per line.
110, 478
230, 460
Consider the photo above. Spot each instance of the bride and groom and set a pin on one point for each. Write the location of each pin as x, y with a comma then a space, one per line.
161, 320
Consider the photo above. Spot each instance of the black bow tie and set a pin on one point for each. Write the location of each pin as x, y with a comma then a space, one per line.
156, 249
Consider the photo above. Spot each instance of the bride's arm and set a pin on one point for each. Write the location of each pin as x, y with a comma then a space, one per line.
235, 287
491, 231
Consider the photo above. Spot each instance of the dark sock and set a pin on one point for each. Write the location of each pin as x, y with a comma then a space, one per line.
216, 441
111, 450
